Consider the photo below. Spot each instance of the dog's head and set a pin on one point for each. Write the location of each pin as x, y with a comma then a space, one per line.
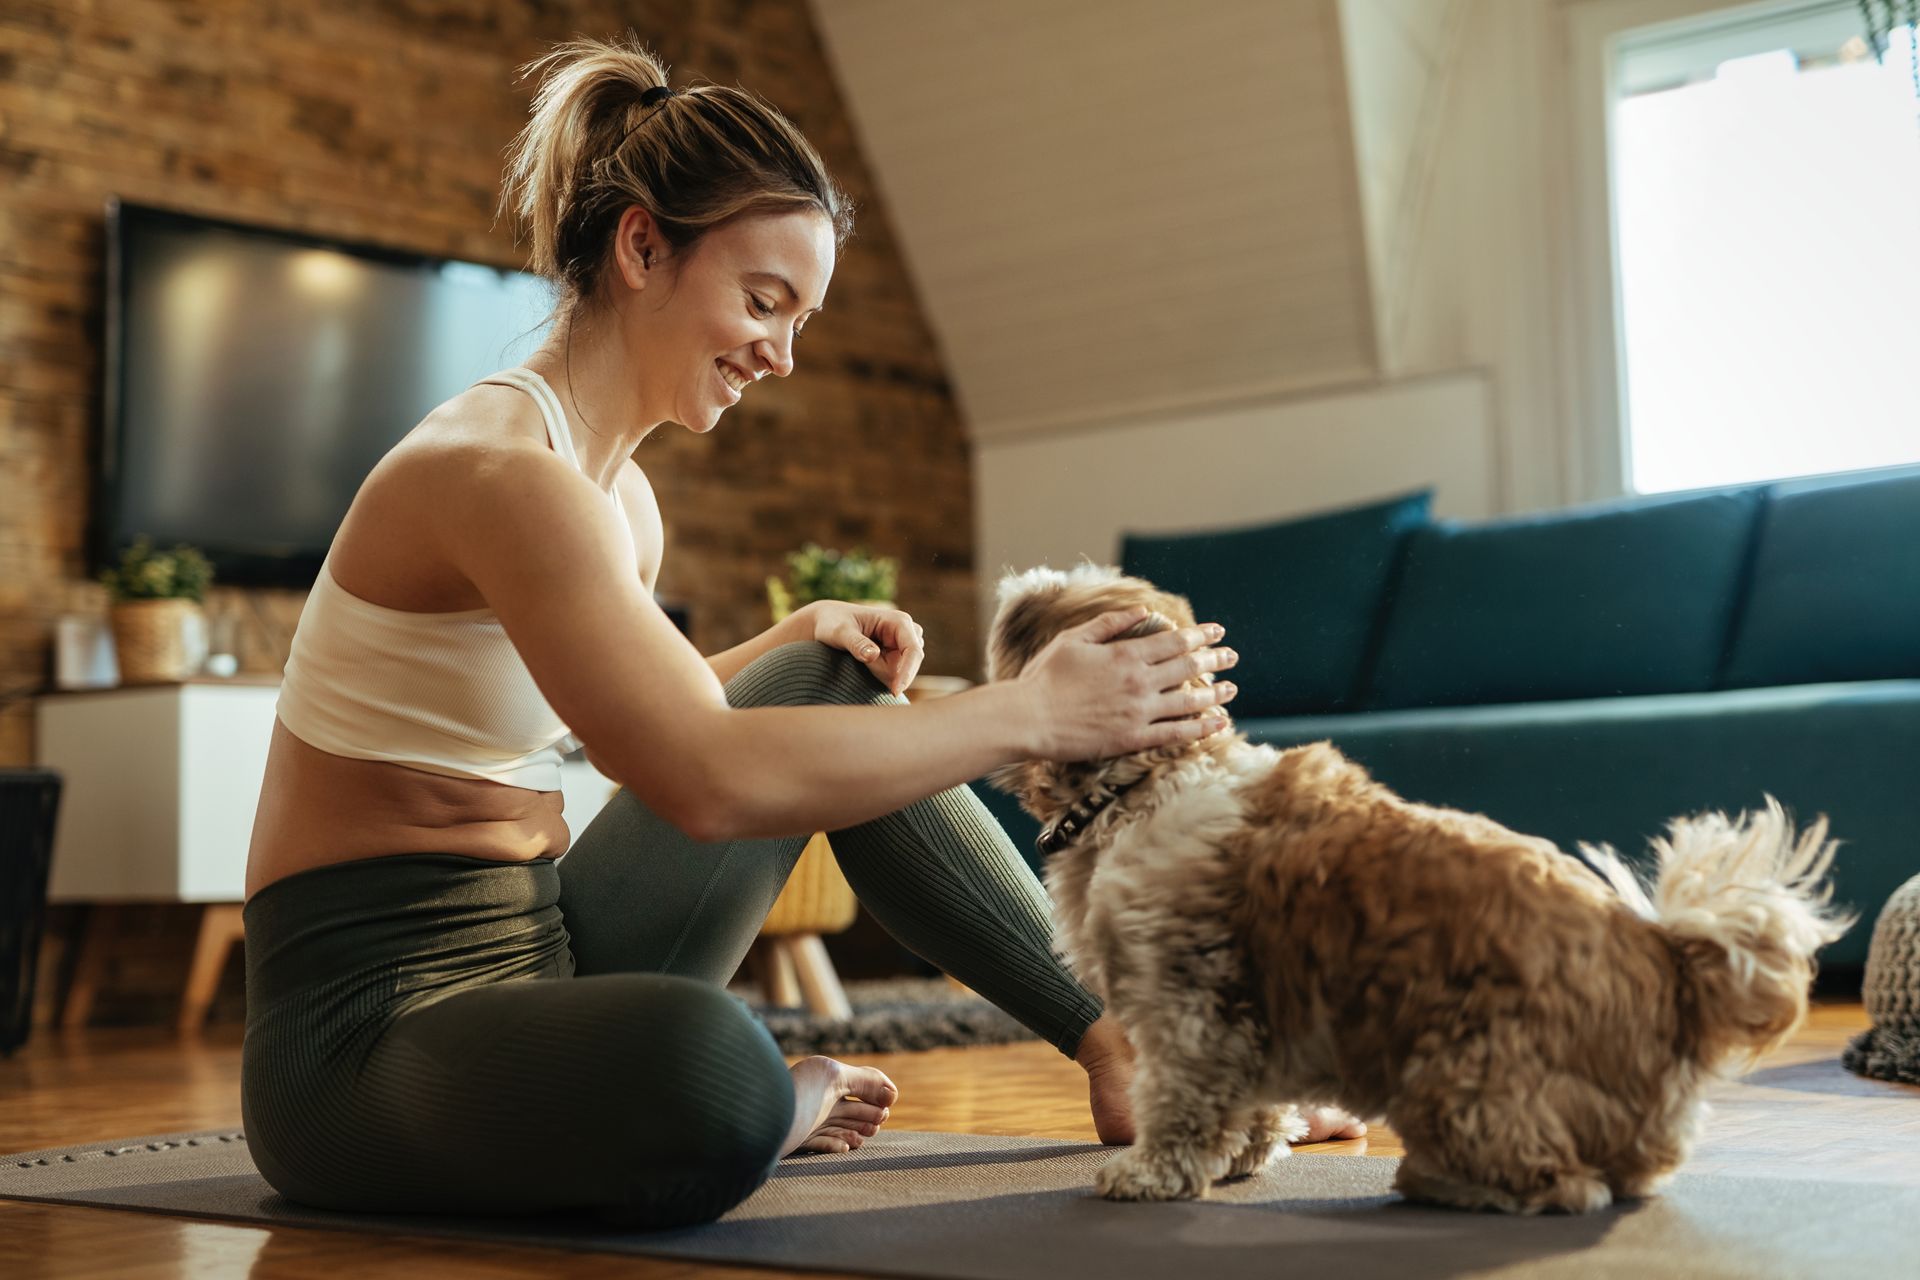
1033, 608
1037, 605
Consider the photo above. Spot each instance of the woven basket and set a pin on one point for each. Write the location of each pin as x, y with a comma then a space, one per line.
157, 641
1890, 1048
817, 898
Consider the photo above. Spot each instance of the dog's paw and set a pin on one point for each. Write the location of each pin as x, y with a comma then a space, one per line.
1136, 1175
1266, 1139
1255, 1157
1329, 1124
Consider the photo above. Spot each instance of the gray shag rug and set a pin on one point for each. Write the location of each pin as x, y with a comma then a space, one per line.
890, 1015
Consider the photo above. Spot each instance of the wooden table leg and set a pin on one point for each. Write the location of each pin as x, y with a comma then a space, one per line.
825, 996
773, 966
96, 930
220, 931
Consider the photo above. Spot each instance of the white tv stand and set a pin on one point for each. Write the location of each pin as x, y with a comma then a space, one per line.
159, 791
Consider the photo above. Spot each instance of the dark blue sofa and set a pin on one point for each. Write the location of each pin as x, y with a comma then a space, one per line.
1588, 674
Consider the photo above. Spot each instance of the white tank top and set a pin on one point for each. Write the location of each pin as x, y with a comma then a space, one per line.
446, 693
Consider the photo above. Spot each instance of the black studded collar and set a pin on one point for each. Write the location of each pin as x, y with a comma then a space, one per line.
1061, 834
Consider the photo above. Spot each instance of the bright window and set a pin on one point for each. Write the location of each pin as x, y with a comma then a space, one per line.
1768, 211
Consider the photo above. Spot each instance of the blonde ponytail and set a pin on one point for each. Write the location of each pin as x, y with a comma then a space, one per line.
591, 147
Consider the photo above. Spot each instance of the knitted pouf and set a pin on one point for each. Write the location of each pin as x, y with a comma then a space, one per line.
1890, 1049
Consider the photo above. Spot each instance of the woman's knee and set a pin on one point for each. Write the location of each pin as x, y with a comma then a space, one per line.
807, 673
730, 1098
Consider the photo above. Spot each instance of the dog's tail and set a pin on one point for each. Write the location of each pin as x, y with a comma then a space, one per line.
1745, 904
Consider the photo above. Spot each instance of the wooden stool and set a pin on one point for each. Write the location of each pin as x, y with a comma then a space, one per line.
789, 958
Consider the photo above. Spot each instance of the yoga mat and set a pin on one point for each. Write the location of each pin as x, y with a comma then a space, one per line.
953, 1205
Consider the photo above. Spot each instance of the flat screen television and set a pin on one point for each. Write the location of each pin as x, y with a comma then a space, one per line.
253, 378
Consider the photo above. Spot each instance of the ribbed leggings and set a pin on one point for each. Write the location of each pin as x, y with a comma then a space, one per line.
443, 1033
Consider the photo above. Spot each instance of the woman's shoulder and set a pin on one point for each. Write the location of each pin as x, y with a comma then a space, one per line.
446, 459
485, 418
484, 427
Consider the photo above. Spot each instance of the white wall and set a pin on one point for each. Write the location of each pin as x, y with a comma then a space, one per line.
1479, 249
1111, 202
1053, 499
1456, 114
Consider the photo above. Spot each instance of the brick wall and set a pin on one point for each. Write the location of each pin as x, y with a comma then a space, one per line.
385, 121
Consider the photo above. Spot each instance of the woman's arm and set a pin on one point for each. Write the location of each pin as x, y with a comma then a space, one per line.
727, 664
792, 770
525, 528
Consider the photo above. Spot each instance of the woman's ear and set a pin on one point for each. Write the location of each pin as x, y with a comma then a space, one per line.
636, 246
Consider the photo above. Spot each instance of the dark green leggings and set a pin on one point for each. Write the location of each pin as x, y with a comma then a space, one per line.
442, 1033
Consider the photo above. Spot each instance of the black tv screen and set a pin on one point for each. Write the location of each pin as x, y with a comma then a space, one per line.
254, 377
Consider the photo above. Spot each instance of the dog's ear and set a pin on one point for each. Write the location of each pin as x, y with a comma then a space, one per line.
1028, 618
1040, 603
1015, 779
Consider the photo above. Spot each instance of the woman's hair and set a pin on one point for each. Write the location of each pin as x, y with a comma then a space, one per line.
591, 148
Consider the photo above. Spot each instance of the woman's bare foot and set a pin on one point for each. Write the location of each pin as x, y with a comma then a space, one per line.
836, 1107
1330, 1124
1107, 1057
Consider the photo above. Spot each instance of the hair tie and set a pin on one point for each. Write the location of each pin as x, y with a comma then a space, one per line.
648, 98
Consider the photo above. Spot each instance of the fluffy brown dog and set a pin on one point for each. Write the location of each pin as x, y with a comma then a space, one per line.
1275, 929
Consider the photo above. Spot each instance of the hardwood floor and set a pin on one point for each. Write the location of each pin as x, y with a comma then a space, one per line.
1800, 1113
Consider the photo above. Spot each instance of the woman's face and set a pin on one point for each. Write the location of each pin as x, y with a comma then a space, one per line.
726, 314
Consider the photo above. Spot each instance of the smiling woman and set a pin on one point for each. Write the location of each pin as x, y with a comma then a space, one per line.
617, 170
445, 1015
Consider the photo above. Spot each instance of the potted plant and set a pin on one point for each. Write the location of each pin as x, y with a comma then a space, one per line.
1883, 18
159, 626
821, 573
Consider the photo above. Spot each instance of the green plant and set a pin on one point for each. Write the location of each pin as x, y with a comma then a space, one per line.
821, 573
145, 574
1884, 17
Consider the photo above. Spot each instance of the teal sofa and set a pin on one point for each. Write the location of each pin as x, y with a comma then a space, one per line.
1587, 674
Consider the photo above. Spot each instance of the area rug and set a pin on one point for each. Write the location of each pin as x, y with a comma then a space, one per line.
890, 1015
951, 1205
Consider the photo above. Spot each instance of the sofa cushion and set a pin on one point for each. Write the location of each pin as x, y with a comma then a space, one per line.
1835, 591
1299, 598
1598, 601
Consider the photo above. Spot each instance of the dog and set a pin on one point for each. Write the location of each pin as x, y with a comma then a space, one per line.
1275, 929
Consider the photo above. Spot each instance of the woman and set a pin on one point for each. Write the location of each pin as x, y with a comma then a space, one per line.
444, 1014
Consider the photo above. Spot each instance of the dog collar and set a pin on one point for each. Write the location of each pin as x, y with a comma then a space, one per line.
1059, 836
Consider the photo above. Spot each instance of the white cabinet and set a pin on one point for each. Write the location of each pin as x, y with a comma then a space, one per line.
161, 782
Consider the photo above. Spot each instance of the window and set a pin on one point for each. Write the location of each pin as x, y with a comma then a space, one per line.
1767, 180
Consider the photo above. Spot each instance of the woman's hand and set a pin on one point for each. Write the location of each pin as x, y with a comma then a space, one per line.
887, 640
1099, 697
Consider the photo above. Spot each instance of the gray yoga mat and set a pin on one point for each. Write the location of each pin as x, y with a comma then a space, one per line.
954, 1205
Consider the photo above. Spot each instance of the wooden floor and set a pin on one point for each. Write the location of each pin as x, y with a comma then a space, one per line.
1800, 1113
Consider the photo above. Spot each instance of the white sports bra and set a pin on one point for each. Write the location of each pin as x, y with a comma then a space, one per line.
446, 693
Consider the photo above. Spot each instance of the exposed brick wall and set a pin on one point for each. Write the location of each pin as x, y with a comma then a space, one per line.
386, 122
